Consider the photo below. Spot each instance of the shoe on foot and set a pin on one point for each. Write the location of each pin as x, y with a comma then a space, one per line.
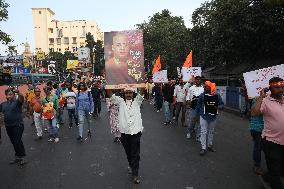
51, 140
38, 138
202, 152
79, 138
56, 140
16, 160
136, 180
258, 170
129, 170
188, 135
116, 139
23, 162
211, 149
89, 133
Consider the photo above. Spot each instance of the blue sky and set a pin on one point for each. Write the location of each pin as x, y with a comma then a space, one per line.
111, 15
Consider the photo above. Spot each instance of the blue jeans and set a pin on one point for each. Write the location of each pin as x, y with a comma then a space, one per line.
256, 136
52, 127
82, 116
60, 115
168, 109
71, 115
193, 122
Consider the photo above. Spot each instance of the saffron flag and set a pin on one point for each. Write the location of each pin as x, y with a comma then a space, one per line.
157, 65
188, 61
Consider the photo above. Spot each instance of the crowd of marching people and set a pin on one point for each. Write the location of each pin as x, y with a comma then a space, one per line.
193, 105
199, 103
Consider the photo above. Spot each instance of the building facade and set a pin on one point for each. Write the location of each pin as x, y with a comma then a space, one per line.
60, 36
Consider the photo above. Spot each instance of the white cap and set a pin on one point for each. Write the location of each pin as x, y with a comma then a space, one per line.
131, 89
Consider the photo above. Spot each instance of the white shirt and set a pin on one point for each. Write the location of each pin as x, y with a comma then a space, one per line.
180, 93
194, 91
129, 116
187, 85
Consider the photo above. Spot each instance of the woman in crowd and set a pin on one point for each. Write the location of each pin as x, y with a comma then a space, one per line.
84, 107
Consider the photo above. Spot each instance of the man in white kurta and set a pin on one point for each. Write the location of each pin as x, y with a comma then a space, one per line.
130, 126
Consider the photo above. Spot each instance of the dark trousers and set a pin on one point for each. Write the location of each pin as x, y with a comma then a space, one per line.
274, 154
15, 134
71, 115
256, 155
97, 107
159, 102
180, 107
131, 145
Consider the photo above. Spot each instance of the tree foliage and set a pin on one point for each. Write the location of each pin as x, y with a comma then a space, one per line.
90, 43
227, 32
4, 37
61, 59
165, 35
224, 33
99, 63
96, 53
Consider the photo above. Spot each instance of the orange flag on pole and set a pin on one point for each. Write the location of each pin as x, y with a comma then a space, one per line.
157, 65
188, 61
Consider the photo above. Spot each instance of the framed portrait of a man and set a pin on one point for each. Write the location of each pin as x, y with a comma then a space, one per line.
124, 59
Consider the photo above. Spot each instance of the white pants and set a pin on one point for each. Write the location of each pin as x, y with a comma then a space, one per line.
38, 123
207, 132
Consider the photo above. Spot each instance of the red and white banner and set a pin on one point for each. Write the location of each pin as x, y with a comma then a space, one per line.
259, 79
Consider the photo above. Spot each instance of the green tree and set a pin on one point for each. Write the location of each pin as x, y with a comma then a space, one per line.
4, 37
165, 35
229, 33
90, 44
58, 57
99, 63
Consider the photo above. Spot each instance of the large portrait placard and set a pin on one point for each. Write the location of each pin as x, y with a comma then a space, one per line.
124, 59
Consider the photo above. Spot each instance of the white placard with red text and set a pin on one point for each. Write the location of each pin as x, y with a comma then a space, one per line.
160, 76
188, 73
259, 79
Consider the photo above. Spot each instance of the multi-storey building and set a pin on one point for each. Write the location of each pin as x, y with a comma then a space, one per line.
60, 36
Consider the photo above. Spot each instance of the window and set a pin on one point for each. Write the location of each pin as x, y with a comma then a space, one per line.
66, 40
92, 26
51, 41
39, 12
59, 49
58, 41
74, 40
50, 30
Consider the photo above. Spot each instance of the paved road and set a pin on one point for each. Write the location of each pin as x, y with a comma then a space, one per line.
168, 159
